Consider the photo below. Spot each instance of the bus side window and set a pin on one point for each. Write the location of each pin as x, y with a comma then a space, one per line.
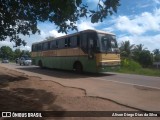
67, 42
53, 45
56, 44
61, 43
46, 46
34, 48
92, 41
39, 47
73, 41
78, 40
84, 40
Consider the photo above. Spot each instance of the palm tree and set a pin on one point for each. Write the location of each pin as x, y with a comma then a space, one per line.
126, 49
156, 55
156, 52
137, 50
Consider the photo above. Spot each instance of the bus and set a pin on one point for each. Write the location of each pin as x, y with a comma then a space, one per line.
85, 51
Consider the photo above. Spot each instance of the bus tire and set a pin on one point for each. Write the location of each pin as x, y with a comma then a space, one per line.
78, 67
40, 64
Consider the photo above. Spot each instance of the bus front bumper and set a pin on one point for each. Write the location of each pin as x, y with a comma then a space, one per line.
108, 68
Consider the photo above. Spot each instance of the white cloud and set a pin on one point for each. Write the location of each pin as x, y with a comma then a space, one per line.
150, 42
11, 45
123, 23
108, 29
139, 24
85, 24
136, 29
55, 33
26, 48
6, 43
157, 1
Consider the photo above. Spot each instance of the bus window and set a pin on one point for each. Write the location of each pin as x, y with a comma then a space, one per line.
46, 46
67, 42
107, 42
73, 41
53, 45
93, 41
84, 40
39, 47
78, 40
61, 43
34, 48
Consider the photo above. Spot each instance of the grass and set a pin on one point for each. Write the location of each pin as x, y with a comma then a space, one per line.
141, 71
131, 67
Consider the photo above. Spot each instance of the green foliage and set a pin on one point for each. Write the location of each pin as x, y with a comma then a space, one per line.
126, 49
156, 55
145, 58
25, 53
156, 52
157, 58
142, 71
17, 53
137, 53
131, 67
6, 52
50, 38
21, 16
129, 64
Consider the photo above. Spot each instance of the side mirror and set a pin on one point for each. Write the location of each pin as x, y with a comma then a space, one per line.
117, 51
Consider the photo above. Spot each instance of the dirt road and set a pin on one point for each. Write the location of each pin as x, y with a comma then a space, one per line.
19, 92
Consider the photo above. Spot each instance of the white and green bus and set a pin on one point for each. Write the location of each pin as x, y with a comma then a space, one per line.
88, 51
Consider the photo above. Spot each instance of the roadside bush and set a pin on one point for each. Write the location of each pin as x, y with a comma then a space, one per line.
130, 65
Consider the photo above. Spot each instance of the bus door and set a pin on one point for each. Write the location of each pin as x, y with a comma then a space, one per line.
88, 44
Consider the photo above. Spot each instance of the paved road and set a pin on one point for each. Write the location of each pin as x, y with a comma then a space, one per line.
141, 92
140, 80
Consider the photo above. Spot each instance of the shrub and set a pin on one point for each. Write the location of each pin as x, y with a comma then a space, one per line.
130, 64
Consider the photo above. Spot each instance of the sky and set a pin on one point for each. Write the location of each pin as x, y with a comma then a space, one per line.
136, 20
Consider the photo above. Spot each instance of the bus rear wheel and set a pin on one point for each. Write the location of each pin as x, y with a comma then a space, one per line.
78, 67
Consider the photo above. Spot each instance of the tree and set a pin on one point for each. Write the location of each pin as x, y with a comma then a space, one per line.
6, 52
21, 16
126, 49
156, 55
17, 53
137, 50
145, 58
25, 53
156, 51
50, 38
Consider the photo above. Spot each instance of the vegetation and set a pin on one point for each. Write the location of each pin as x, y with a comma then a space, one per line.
156, 55
21, 16
131, 67
7, 52
126, 49
136, 59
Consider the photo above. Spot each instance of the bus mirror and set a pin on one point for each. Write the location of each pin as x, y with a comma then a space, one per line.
117, 51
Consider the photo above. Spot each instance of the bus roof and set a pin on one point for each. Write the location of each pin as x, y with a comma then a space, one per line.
88, 30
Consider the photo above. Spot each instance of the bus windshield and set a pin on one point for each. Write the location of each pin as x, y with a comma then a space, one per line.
107, 42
